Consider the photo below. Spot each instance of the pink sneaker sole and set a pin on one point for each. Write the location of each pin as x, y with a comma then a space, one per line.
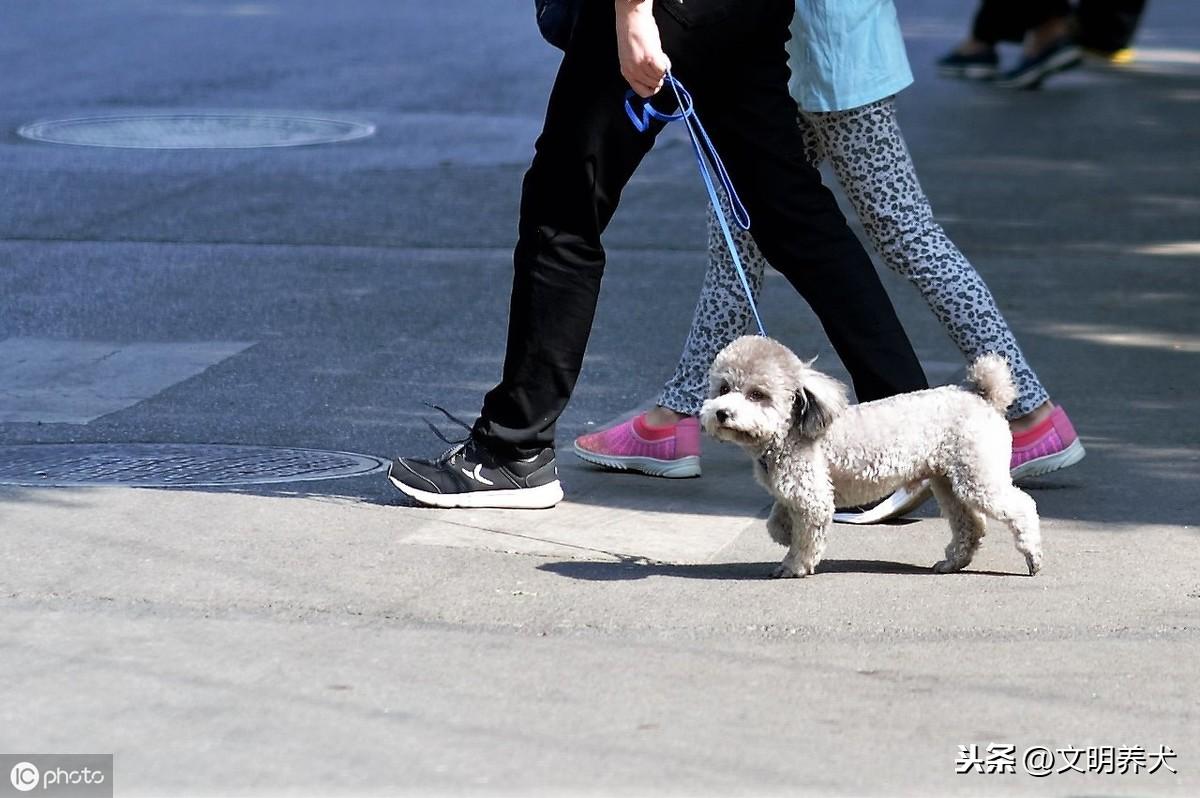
1040, 466
680, 468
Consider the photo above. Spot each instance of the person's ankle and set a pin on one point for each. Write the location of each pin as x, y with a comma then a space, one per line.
1046, 34
973, 47
1032, 418
660, 416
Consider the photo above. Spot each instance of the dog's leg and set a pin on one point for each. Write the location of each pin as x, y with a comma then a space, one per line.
803, 485
807, 546
1014, 507
779, 525
967, 527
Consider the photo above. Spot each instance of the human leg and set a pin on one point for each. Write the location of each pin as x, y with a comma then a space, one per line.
867, 151
887, 196
1035, 22
722, 311
1108, 26
664, 441
1009, 20
796, 222
584, 157
1049, 47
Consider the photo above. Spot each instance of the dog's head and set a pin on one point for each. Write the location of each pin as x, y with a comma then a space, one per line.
759, 392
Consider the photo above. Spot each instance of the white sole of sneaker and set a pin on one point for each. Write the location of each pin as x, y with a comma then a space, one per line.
970, 72
542, 497
894, 506
1051, 462
1060, 62
681, 468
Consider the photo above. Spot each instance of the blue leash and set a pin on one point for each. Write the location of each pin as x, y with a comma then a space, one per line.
697, 133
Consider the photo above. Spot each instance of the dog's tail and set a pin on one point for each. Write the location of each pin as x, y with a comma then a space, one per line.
992, 379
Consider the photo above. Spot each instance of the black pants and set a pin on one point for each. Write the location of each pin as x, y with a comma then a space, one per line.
731, 55
1009, 20
1106, 25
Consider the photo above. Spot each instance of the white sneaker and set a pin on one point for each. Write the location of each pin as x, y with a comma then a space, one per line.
902, 501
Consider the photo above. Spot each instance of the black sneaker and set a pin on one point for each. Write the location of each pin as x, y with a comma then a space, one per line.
470, 476
1059, 56
977, 66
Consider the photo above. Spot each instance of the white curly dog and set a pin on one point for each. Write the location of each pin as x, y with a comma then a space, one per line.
813, 451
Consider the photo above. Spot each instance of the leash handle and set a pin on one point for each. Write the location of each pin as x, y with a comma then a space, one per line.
705, 153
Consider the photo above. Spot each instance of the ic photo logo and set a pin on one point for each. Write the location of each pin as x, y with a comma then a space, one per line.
24, 776
59, 775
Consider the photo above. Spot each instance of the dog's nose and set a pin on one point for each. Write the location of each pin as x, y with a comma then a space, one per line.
722, 416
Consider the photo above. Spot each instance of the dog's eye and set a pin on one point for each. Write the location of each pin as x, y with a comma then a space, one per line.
757, 396
724, 389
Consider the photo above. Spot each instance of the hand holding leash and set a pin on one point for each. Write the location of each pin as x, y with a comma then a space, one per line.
643, 63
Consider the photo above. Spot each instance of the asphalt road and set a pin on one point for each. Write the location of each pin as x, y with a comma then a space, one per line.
322, 638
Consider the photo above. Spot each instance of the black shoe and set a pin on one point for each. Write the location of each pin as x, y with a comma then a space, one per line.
977, 66
470, 476
1059, 56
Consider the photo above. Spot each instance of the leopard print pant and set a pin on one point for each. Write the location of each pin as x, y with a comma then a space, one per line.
868, 154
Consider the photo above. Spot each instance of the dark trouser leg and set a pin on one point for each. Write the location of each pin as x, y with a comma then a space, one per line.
1109, 25
584, 157
1009, 20
795, 220
586, 154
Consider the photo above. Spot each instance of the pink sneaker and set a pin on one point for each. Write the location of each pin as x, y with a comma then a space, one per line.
1047, 447
634, 445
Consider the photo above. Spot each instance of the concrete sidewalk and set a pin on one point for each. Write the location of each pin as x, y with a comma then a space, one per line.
322, 638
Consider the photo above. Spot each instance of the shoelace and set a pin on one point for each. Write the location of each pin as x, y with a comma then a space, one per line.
455, 446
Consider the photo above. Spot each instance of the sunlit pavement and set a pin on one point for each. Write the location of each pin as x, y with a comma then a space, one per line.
319, 637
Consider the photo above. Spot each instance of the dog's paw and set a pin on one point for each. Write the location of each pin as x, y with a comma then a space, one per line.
949, 566
785, 571
1034, 561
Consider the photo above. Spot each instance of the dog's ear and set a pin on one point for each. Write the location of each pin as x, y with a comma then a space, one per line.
819, 400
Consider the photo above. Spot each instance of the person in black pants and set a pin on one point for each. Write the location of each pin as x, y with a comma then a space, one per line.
1053, 33
731, 55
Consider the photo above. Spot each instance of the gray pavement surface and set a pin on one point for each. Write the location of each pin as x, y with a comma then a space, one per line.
323, 638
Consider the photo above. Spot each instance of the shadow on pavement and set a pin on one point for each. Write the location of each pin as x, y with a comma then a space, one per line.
595, 571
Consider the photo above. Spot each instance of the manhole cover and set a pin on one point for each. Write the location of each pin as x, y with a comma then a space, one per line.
166, 465
195, 131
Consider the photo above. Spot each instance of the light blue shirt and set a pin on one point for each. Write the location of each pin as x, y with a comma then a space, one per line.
846, 53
